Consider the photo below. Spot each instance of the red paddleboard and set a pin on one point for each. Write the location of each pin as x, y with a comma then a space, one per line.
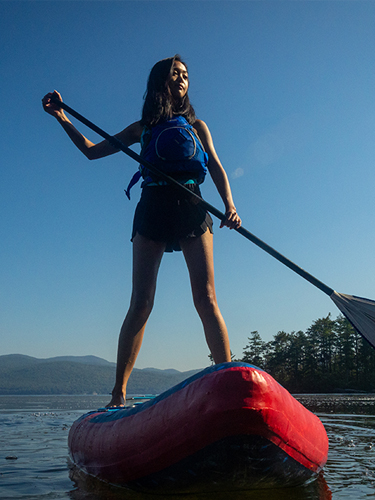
228, 427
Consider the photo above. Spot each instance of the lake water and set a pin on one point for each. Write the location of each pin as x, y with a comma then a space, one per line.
34, 455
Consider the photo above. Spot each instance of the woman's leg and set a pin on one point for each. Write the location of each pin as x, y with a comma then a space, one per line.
147, 255
198, 253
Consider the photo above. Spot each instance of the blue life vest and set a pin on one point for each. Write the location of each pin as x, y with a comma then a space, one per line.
173, 148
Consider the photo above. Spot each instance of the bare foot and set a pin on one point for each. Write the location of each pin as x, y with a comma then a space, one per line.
117, 401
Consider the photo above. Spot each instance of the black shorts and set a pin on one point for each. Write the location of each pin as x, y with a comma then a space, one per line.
168, 214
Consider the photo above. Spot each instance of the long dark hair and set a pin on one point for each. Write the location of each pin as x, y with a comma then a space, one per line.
159, 103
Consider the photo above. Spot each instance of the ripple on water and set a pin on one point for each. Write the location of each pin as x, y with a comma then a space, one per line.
38, 441
350, 470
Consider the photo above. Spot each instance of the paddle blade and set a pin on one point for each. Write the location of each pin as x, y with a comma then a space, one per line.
360, 312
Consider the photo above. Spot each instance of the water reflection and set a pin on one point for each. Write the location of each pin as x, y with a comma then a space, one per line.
87, 487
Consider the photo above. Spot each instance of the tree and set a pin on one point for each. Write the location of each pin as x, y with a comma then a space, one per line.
254, 352
346, 350
297, 359
278, 358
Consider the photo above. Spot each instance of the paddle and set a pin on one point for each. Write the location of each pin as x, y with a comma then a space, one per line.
359, 311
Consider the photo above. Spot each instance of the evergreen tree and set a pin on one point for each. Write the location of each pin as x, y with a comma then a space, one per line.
254, 351
278, 359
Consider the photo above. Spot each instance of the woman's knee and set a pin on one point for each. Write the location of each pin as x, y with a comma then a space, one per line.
141, 305
205, 301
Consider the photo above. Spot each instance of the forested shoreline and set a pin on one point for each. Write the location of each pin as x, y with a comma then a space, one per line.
329, 357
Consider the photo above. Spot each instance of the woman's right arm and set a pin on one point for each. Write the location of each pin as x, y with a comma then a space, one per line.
130, 135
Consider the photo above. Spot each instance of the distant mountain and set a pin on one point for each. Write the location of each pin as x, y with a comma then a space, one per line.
170, 371
20, 374
14, 360
86, 360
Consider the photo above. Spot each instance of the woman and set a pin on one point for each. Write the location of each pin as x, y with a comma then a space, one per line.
165, 219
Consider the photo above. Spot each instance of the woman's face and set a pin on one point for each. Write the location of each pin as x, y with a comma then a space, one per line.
179, 81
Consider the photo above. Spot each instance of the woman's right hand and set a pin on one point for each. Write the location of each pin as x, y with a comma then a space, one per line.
50, 106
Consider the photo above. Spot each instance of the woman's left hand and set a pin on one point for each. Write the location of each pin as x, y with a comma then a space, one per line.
232, 220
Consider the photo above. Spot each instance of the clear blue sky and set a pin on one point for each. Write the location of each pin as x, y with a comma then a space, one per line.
287, 89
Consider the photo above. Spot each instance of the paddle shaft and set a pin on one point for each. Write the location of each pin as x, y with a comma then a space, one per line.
220, 215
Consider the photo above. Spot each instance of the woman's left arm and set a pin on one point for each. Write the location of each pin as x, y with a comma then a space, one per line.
218, 175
